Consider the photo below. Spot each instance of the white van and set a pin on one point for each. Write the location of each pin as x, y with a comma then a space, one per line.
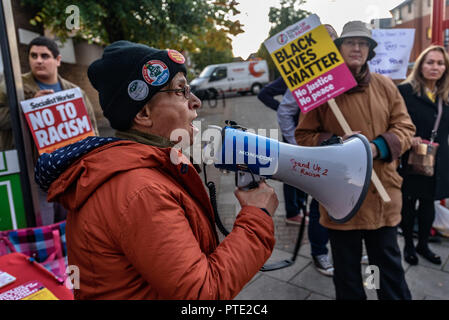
241, 77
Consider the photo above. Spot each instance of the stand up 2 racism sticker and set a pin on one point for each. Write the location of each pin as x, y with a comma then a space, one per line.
310, 63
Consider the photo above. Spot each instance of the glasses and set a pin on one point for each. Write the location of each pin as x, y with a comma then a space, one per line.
185, 91
353, 43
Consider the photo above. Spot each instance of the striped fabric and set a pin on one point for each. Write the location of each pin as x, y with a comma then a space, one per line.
47, 245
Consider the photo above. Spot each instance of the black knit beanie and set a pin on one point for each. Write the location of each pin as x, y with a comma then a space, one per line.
128, 75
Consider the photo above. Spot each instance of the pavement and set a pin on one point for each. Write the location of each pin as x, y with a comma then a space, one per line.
301, 281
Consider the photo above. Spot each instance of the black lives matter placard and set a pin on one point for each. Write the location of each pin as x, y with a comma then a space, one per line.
310, 63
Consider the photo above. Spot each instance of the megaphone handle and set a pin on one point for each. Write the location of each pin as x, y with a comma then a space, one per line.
247, 180
347, 130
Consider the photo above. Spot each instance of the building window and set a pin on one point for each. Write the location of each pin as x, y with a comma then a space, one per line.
398, 16
410, 7
429, 3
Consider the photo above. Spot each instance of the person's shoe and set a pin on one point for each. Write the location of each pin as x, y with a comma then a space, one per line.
410, 255
411, 258
296, 220
429, 255
364, 259
323, 265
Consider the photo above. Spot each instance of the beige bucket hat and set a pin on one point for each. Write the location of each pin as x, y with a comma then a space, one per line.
357, 29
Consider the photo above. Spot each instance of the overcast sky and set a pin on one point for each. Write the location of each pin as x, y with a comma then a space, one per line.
254, 15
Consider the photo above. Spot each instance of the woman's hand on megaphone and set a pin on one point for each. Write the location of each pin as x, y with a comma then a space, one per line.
374, 150
346, 136
260, 197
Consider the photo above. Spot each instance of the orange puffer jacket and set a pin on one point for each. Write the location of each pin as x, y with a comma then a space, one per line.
140, 227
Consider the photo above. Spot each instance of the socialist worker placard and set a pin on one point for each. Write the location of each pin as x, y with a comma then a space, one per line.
57, 119
310, 63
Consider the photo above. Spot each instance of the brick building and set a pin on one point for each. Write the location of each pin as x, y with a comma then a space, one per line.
417, 14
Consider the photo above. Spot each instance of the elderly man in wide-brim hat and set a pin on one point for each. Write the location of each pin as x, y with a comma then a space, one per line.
376, 109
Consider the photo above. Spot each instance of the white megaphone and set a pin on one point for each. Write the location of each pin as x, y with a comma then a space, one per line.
337, 176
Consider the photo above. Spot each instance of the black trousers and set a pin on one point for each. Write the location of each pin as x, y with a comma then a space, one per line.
383, 251
426, 215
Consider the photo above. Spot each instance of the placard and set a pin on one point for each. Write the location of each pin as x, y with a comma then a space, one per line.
310, 63
32, 290
392, 52
57, 119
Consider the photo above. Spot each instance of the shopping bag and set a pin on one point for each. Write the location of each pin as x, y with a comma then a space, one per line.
441, 221
46, 245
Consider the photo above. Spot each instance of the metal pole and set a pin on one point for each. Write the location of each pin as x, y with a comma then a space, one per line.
437, 22
14, 87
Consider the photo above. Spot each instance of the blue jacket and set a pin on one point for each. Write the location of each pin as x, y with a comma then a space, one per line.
267, 94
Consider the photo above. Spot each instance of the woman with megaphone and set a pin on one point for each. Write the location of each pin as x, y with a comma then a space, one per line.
141, 225
376, 109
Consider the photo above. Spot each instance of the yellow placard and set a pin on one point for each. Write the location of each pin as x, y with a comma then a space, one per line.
307, 57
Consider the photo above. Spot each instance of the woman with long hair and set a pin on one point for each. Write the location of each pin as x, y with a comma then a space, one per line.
426, 87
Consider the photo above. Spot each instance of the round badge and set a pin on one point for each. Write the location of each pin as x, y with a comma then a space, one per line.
155, 72
176, 56
282, 38
138, 90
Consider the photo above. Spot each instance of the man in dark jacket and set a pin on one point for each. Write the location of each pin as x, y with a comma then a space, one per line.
267, 94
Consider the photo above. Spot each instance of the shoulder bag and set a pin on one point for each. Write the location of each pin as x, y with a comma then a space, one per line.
421, 159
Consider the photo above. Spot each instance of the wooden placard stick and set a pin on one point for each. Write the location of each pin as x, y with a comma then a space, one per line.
347, 130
